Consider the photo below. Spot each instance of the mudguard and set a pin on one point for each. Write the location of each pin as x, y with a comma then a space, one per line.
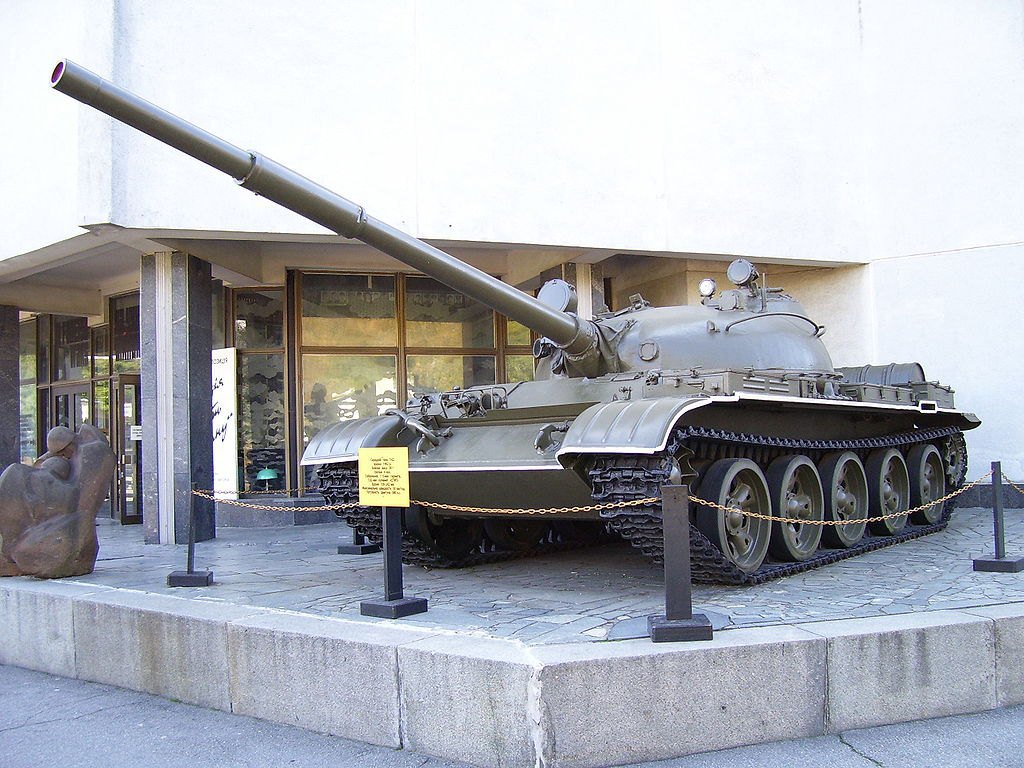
627, 426
342, 441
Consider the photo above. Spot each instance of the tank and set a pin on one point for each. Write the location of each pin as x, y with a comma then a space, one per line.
736, 396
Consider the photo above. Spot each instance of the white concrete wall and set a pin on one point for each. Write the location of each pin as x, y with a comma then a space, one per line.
944, 124
55, 157
790, 128
661, 126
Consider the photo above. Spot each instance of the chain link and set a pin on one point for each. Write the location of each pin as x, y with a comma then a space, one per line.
541, 510
1016, 487
212, 495
611, 505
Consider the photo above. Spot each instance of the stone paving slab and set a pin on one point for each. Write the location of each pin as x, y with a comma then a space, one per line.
578, 596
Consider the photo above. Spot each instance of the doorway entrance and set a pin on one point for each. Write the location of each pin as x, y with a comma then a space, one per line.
127, 436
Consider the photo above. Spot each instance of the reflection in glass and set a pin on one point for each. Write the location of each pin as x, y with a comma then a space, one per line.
349, 311
429, 374
27, 391
261, 427
101, 406
124, 330
437, 316
519, 367
43, 408
341, 387
101, 351
518, 334
218, 338
130, 455
43, 358
259, 319
70, 348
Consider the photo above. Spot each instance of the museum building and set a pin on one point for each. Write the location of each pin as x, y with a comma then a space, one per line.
627, 155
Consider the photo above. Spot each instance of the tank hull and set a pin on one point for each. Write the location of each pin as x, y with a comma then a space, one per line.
562, 453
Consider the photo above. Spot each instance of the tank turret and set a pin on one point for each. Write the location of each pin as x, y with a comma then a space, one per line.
736, 395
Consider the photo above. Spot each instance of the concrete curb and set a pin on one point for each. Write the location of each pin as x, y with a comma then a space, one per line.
501, 703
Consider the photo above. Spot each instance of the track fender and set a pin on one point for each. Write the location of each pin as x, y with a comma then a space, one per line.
626, 426
342, 441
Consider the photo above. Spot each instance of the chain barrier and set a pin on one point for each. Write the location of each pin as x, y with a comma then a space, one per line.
607, 505
1016, 487
212, 496
854, 521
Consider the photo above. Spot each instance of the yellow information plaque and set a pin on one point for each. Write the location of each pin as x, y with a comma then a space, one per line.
384, 477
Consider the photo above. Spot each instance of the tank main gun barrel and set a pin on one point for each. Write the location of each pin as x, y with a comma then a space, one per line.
318, 204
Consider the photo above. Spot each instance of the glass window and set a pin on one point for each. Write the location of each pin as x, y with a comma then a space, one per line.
70, 348
519, 368
101, 351
261, 427
340, 387
518, 334
349, 311
43, 358
101, 406
27, 391
124, 329
43, 409
218, 336
259, 319
437, 316
428, 374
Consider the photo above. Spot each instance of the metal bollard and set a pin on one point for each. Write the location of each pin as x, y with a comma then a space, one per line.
359, 546
394, 605
678, 622
190, 577
1000, 563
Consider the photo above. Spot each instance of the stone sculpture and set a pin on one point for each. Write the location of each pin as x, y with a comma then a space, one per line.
48, 510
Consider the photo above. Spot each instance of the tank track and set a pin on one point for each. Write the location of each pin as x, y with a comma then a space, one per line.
339, 484
624, 478
621, 477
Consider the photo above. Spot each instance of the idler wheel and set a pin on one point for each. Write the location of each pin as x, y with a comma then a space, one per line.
795, 493
888, 490
927, 482
450, 537
740, 484
517, 535
845, 488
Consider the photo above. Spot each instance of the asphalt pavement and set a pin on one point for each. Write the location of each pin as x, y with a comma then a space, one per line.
48, 721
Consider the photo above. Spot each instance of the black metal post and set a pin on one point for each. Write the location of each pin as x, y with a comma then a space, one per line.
997, 509
190, 577
678, 623
394, 605
998, 564
359, 546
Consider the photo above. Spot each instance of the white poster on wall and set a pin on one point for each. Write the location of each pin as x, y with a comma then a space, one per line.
225, 425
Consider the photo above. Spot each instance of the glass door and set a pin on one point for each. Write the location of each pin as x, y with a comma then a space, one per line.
127, 431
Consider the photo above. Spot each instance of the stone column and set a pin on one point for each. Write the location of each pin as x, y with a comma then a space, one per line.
10, 401
177, 443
